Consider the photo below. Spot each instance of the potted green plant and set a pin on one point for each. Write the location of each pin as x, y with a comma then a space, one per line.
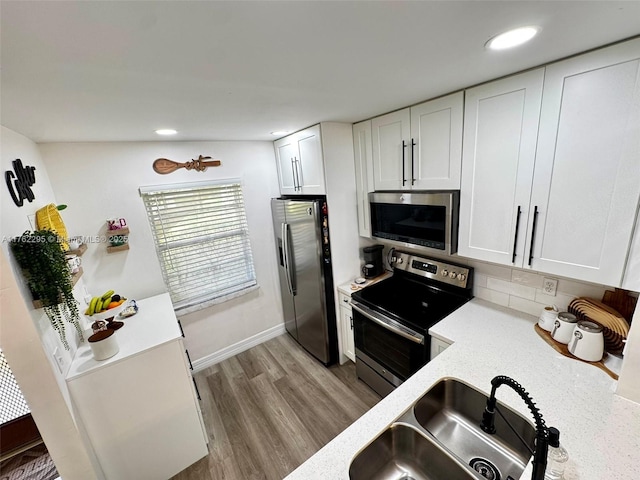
41, 256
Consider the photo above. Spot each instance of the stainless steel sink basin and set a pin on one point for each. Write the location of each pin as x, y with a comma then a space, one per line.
451, 411
401, 452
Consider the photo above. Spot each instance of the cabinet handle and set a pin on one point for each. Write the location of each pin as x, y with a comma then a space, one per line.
197, 391
188, 358
293, 174
181, 330
515, 237
533, 233
299, 173
413, 180
351, 318
404, 145
345, 300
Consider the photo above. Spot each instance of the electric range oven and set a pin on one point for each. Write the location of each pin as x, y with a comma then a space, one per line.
392, 317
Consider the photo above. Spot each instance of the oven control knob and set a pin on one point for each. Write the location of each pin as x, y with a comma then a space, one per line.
399, 260
453, 275
445, 272
462, 277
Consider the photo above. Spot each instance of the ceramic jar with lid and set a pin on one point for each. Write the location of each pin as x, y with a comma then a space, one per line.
587, 341
563, 327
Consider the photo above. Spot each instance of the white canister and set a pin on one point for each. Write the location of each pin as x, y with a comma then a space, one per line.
563, 327
548, 317
587, 341
104, 344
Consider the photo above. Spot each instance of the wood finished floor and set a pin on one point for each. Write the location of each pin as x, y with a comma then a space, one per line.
269, 409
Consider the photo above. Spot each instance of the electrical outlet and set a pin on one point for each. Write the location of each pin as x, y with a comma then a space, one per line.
550, 286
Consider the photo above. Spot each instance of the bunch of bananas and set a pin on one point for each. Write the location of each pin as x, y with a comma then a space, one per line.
107, 301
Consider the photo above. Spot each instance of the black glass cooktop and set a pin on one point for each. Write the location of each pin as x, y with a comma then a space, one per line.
413, 303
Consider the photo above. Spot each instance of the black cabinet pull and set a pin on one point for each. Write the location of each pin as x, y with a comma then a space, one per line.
413, 179
515, 238
189, 358
181, 330
197, 391
404, 145
533, 233
351, 318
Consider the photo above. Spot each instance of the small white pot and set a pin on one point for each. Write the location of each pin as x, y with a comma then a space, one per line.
104, 344
563, 327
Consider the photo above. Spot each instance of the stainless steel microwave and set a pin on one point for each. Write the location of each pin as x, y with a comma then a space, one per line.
424, 219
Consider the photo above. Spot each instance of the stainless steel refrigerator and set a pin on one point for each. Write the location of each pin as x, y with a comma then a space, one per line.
303, 252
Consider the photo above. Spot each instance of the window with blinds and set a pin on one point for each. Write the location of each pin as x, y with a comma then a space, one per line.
202, 241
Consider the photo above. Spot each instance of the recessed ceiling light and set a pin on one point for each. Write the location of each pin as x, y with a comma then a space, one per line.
166, 131
280, 132
512, 38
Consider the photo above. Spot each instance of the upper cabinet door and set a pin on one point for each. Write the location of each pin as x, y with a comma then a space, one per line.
436, 143
587, 179
391, 141
364, 174
500, 128
286, 150
310, 162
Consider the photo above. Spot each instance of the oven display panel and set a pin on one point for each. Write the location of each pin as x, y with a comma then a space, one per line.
424, 266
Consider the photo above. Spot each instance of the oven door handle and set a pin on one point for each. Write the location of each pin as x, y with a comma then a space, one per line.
387, 323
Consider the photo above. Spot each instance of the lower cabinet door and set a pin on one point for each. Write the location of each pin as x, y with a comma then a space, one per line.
348, 343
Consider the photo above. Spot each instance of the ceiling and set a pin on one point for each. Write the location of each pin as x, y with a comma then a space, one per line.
83, 71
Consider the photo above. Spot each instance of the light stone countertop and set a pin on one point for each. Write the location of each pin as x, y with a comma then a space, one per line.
600, 430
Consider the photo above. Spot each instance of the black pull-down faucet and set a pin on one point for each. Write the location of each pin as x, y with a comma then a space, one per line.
542, 433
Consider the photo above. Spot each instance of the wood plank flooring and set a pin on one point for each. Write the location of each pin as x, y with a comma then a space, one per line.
269, 409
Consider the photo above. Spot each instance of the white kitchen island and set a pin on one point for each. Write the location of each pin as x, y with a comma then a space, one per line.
137, 411
600, 430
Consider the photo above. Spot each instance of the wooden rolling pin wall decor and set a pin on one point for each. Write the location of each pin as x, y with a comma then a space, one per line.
200, 164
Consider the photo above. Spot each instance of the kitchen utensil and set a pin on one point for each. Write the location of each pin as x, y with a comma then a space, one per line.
587, 341
164, 165
563, 327
104, 344
548, 317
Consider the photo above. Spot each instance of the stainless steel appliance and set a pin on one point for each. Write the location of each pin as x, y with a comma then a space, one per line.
426, 219
392, 317
304, 267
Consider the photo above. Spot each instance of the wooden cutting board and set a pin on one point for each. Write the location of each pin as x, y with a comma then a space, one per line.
621, 301
562, 349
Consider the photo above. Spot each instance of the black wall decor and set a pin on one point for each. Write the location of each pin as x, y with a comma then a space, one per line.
20, 182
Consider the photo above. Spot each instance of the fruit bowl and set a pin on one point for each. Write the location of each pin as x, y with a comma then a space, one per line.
108, 314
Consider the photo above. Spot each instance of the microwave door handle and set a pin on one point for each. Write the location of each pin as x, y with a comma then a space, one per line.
387, 323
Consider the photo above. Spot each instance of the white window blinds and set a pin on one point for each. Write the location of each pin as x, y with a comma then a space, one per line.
202, 241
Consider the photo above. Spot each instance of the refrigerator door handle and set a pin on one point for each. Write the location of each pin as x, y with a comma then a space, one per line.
287, 256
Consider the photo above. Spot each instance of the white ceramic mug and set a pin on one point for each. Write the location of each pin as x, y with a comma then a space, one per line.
104, 344
563, 327
587, 341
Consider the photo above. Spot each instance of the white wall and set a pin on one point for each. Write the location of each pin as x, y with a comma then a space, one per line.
27, 338
100, 180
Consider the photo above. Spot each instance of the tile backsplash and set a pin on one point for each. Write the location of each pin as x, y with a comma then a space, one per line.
522, 290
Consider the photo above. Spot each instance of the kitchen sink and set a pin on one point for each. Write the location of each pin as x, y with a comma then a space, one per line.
401, 452
451, 411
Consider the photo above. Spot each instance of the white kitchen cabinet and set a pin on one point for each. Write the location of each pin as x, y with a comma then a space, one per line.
586, 184
437, 347
500, 131
419, 147
138, 410
571, 210
300, 164
364, 174
347, 343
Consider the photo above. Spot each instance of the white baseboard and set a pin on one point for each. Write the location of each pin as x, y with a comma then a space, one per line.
236, 348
